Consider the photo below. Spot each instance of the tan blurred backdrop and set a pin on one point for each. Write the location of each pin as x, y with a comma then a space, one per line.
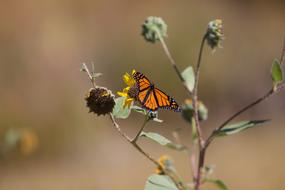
43, 43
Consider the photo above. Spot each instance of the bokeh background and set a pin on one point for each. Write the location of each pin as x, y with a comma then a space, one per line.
43, 43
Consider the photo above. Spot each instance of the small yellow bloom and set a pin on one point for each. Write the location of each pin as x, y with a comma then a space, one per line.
130, 82
125, 92
165, 163
29, 142
128, 102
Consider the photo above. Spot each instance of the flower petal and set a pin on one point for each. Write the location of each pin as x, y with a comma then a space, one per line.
122, 94
128, 79
128, 102
126, 90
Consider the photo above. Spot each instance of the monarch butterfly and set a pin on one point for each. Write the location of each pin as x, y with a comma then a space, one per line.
152, 98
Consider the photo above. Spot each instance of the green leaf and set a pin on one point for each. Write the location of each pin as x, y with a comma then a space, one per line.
139, 109
162, 140
159, 182
188, 76
119, 111
219, 183
238, 127
208, 170
194, 131
202, 111
12, 137
144, 112
277, 72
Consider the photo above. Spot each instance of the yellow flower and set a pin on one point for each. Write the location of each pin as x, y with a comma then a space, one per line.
29, 142
165, 163
130, 91
128, 100
128, 79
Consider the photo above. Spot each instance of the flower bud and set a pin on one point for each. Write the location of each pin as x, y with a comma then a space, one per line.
215, 34
151, 27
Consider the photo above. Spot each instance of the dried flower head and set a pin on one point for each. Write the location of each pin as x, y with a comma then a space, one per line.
100, 100
215, 34
151, 27
166, 164
188, 111
131, 91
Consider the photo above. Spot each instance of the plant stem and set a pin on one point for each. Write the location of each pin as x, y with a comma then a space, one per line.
202, 152
131, 141
203, 145
141, 129
212, 136
254, 103
89, 74
116, 125
196, 117
193, 94
172, 61
203, 149
282, 54
179, 184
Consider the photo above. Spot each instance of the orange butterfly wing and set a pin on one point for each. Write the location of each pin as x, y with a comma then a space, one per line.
144, 87
152, 98
150, 101
164, 101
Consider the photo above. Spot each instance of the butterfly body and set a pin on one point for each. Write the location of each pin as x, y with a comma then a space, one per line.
151, 97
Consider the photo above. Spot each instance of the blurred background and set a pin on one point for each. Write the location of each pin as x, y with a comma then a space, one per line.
63, 147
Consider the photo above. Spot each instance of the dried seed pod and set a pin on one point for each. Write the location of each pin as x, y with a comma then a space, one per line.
100, 101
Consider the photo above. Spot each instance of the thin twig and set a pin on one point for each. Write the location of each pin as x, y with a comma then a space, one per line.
116, 125
259, 100
264, 97
195, 92
141, 129
172, 61
254, 103
282, 54
196, 117
85, 68
179, 184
